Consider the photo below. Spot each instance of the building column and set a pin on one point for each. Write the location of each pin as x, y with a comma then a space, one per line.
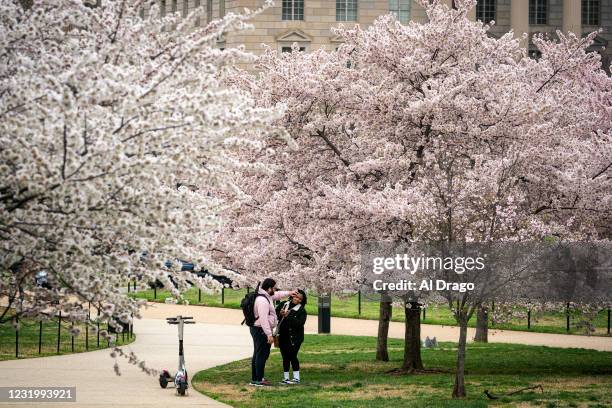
471, 14
519, 18
572, 17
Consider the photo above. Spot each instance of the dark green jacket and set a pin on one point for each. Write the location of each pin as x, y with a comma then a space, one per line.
292, 327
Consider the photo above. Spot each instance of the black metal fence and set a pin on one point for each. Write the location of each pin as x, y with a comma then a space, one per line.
55, 336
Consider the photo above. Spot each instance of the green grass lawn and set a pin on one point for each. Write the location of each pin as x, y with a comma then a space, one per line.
550, 322
30, 330
340, 371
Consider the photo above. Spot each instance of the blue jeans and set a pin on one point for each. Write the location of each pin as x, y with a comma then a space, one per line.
261, 352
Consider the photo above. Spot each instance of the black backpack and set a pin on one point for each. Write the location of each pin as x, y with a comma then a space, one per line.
248, 307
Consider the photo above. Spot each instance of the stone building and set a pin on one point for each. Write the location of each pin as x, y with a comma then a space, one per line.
309, 22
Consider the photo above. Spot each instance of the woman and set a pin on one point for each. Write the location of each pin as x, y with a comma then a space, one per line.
292, 317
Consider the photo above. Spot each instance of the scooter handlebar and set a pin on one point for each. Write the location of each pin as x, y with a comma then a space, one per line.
175, 320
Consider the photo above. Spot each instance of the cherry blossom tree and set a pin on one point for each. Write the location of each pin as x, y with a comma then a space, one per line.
294, 227
479, 142
287, 228
115, 131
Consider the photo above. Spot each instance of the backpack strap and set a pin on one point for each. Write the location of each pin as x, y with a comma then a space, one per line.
255, 300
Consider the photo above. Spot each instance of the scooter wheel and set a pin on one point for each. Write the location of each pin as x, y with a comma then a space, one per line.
163, 381
181, 389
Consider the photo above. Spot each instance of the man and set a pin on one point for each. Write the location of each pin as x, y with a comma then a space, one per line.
261, 331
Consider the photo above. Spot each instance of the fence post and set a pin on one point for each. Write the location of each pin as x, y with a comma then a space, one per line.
17, 338
199, 295
567, 315
155, 291
72, 338
529, 319
108, 331
129, 284
424, 313
223, 295
492, 313
39, 336
59, 326
608, 320
98, 324
87, 326
359, 302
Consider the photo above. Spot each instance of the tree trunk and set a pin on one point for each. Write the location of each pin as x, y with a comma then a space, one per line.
482, 325
382, 354
459, 388
412, 338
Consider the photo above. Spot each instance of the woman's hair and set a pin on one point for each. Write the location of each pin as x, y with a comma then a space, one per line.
301, 292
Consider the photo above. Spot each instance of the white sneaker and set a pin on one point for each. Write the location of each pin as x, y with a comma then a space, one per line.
295, 381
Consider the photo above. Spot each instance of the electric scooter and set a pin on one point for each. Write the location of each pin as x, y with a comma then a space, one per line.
181, 381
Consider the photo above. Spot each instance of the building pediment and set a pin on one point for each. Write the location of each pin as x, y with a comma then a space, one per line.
336, 39
294, 36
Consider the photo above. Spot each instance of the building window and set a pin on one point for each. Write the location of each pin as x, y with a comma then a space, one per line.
590, 12
221, 8
293, 9
208, 11
538, 12
289, 49
346, 10
485, 10
162, 8
400, 9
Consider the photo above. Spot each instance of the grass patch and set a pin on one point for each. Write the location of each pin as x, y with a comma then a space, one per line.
31, 333
549, 322
340, 371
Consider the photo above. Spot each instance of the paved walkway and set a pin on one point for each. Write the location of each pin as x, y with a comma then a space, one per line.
206, 345
361, 327
217, 338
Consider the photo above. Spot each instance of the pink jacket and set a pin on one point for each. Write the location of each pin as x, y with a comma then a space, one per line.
265, 314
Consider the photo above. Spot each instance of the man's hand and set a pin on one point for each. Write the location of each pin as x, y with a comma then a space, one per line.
294, 292
270, 339
284, 312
